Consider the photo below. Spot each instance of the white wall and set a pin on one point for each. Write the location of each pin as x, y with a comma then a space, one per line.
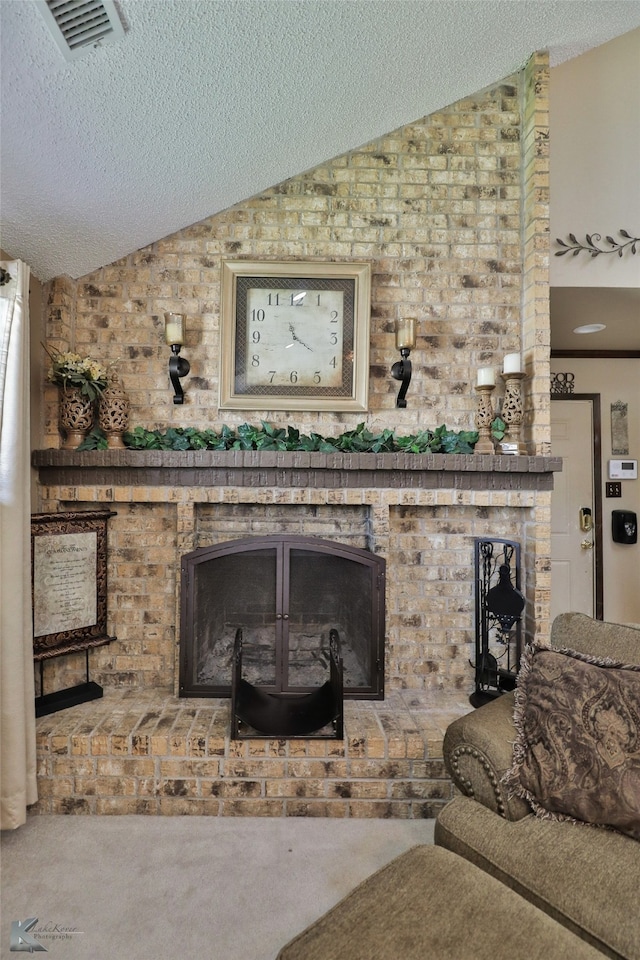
595, 188
595, 160
614, 380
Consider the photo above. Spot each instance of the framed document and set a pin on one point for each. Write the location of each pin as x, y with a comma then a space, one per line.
69, 582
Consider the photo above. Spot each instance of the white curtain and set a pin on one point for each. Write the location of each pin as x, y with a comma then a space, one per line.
17, 708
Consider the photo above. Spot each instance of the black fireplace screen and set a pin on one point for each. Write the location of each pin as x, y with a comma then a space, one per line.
286, 594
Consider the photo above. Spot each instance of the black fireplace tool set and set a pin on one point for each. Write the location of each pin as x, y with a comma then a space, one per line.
499, 606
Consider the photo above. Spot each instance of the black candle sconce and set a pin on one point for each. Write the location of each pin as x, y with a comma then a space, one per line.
174, 332
401, 369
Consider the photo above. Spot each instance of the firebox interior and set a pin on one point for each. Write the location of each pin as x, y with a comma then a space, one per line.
286, 594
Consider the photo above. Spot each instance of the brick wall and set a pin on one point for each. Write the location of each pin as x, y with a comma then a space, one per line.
452, 213
431, 591
435, 206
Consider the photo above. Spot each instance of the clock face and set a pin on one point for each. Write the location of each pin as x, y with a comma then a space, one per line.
294, 336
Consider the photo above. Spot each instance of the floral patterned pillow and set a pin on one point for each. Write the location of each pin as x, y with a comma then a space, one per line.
577, 753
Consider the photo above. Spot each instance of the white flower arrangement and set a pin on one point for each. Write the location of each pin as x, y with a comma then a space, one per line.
71, 370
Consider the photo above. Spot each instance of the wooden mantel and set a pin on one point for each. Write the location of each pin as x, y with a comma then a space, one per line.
256, 468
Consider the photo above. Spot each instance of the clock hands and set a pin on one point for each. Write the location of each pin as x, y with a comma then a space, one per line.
297, 339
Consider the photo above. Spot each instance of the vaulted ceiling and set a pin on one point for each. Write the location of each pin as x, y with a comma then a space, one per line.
204, 103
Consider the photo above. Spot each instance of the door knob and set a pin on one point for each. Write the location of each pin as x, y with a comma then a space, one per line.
586, 544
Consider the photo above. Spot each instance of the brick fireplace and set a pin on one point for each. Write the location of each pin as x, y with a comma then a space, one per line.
143, 749
421, 513
452, 213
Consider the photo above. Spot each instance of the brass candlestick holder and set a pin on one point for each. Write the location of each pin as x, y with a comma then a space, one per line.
484, 418
512, 413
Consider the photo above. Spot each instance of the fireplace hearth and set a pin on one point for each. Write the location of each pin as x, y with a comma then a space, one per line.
286, 594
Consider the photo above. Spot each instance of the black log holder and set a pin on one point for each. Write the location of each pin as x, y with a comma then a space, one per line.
48, 703
259, 713
499, 606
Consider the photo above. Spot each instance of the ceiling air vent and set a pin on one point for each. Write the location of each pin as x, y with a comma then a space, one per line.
80, 25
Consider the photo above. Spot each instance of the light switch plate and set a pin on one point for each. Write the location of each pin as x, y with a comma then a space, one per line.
613, 489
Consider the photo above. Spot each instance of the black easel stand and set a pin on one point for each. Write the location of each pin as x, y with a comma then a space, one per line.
69, 697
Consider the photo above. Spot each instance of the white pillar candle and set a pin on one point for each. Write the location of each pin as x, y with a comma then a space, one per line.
486, 377
174, 328
512, 363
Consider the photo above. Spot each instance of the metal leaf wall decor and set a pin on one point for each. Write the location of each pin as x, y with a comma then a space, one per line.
592, 244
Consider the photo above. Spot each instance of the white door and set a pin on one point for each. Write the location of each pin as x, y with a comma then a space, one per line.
572, 544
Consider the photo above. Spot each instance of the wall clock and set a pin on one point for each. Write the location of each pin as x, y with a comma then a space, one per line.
295, 336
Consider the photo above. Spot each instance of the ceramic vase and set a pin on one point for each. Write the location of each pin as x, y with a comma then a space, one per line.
75, 417
113, 412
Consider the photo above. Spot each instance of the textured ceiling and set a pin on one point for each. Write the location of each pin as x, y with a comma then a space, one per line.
207, 102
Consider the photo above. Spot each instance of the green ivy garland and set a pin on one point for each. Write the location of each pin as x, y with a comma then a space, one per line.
269, 437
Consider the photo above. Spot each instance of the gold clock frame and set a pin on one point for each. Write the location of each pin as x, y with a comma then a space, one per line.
354, 394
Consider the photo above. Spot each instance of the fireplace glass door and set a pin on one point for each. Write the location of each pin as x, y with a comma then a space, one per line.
286, 594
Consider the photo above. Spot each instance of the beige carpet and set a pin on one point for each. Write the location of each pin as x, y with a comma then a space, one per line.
168, 888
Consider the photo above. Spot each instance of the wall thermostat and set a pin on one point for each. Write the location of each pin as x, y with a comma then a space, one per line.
623, 469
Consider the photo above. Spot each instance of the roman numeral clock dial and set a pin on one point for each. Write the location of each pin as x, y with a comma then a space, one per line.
294, 335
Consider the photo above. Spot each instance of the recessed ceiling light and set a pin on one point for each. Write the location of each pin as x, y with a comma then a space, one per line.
590, 328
